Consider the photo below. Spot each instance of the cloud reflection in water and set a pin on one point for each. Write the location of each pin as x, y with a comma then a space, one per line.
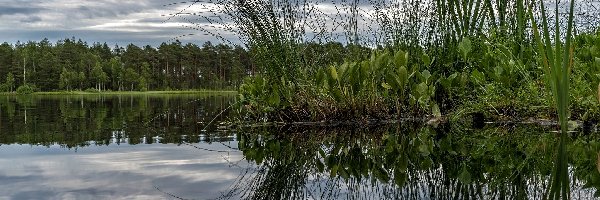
116, 172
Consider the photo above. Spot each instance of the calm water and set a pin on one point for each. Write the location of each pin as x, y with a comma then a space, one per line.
162, 147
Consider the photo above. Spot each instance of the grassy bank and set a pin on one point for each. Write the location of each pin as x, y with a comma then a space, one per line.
211, 92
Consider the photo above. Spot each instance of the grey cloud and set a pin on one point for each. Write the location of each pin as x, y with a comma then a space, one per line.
111, 9
12, 10
31, 19
153, 37
33, 194
94, 13
9, 180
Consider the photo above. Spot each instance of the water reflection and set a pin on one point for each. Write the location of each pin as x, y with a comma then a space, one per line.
114, 147
73, 121
115, 172
156, 147
411, 162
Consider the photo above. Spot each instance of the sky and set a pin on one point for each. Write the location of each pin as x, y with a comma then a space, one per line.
111, 21
141, 22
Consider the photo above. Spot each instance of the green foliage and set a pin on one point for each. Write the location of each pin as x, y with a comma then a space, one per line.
92, 90
26, 89
4, 88
10, 82
384, 82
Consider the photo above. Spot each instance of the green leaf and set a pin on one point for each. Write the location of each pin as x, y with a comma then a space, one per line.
381, 174
402, 76
402, 163
453, 76
478, 77
342, 70
465, 47
274, 99
400, 178
320, 165
595, 51
344, 173
400, 58
426, 59
386, 86
320, 76
333, 73
464, 176
436, 110
422, 88
393, 80
383, 60
424, 149
426, 75
334, 171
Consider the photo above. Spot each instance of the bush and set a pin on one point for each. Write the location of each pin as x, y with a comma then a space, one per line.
4, 88
92, 90
26, 89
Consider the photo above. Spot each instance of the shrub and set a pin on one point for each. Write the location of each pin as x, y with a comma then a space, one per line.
26, 89
4, 88
92, 90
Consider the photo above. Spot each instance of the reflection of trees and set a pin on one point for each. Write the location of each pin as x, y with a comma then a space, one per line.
407, 162
73, 121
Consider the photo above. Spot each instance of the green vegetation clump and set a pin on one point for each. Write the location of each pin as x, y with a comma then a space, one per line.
493, 81
92, 90
26, 89
487, 60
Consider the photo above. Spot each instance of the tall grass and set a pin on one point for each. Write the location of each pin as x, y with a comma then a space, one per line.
557, 68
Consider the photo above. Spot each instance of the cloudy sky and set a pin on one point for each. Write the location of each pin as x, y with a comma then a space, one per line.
111, 21
141, 22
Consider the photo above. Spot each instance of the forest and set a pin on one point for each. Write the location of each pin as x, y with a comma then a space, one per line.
72, 64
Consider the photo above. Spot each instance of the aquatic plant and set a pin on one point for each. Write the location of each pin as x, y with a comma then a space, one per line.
557, 62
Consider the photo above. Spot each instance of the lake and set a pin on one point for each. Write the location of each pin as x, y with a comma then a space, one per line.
178, 147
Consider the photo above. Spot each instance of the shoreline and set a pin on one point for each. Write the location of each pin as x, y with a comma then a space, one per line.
219, 92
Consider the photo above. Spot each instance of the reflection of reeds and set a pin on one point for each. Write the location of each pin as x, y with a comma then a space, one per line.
351, 164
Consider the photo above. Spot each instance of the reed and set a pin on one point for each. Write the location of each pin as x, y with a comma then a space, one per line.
557, 61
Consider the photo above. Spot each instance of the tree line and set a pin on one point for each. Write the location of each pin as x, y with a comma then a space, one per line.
72, 64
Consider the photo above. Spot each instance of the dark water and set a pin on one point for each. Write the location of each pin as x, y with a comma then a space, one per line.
163, 147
